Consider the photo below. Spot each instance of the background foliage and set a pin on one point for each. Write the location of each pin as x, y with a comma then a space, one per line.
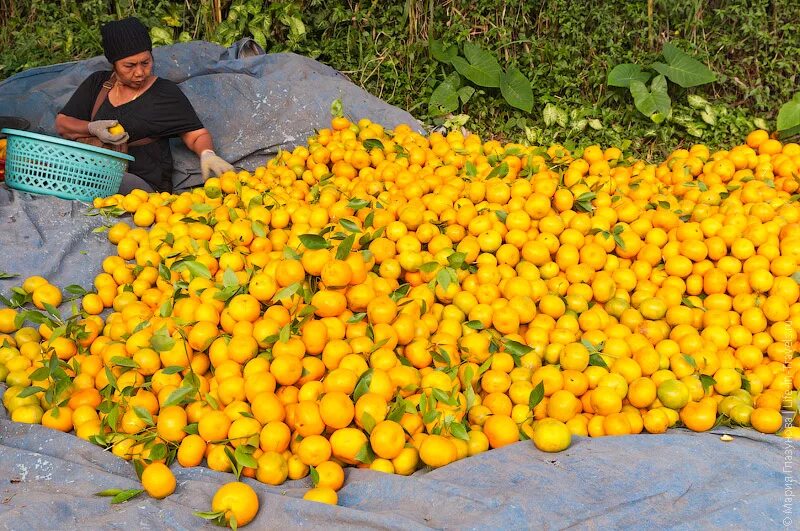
565, 48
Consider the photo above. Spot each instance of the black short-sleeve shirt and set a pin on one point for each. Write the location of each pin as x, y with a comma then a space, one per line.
162, 111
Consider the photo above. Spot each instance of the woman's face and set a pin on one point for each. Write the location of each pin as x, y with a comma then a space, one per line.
133, 71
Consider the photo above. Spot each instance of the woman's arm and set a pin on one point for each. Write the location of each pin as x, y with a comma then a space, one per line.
198, 141
71, 128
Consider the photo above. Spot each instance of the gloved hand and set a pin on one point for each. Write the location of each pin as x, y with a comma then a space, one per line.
99, 128
211, 162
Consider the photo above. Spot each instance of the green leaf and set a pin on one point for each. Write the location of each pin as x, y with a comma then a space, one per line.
516, 89
363, 384
76, 290
683, 69
365, 454
229, 278
515, 348
357, 318
745, 384
349, 225
443, 278
180, 396
211, 515
125, 495
596, 360
368, 422
40, 374
196, 269
160, 35
465, 93
161, 341
650, 102
143, 414
157, 452
480, 66
202, 208
789, 116
441, 356
337, 109
357, 203
431, 416
244, 456
29, 391
553, 115
314, 241
400, 292
707, 382
429, 267
458, 431
344, 248
622, 75
288, 291
456, 260
499, 171
474, 324
121, 361
690, 360
285, 333
108, 492
6, 276
443, 397
444, 98
485, 365
373, 143
259, 229
536, 396
442, 53
397, 410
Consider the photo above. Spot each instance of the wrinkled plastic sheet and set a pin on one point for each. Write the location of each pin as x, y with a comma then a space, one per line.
679, 480
253, 105
51, 237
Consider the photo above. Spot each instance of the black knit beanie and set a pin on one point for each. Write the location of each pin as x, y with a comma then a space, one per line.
123, 38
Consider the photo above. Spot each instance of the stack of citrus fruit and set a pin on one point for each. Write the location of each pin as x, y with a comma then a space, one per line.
389, 300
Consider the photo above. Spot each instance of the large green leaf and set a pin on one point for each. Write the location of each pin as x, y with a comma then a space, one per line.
445, 98
442, 53
789, 117
516, 89
653, 101
622, 75
683, 69
480, 66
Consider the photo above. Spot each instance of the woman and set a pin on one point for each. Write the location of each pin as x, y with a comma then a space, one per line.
149, 108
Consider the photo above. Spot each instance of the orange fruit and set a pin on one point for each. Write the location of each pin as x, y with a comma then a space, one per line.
158, 480
550, 435
236, 501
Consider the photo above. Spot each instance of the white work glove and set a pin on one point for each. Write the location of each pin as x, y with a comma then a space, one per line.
211, 162
99, 128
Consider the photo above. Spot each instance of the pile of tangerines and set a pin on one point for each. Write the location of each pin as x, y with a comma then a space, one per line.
390, 300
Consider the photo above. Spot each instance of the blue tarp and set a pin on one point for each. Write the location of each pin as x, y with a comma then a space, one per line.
679, 480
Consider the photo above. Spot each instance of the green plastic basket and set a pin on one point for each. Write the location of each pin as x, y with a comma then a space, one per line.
49, 165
